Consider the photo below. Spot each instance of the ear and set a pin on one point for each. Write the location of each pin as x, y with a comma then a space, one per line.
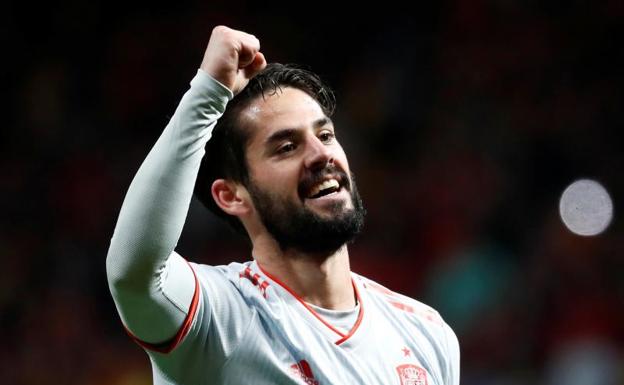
230, 197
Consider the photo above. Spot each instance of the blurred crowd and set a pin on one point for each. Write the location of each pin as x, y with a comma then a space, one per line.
463, 121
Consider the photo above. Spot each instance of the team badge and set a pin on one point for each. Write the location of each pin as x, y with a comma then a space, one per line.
412, 375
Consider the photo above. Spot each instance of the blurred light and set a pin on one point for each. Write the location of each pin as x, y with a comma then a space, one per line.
586, 207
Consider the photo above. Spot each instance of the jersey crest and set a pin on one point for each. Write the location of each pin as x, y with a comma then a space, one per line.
412, 375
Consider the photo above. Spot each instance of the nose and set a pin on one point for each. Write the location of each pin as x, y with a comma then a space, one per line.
318, 154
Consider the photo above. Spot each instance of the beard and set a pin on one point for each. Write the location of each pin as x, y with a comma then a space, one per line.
295, 226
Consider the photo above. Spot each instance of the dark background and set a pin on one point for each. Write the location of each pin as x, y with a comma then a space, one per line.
463, 120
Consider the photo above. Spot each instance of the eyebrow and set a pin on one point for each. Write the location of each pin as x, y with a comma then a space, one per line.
285, 133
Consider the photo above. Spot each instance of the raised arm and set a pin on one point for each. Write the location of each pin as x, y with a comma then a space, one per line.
152, 286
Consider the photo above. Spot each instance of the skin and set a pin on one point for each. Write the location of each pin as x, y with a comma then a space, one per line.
233, 57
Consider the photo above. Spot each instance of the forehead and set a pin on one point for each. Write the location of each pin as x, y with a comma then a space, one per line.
289, 108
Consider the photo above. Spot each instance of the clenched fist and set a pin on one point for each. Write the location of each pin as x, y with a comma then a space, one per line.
232, 57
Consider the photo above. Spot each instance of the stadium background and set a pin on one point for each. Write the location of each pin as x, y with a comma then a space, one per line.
463, 120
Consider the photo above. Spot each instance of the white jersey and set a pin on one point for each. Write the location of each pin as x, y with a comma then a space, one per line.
245, 327
235, 324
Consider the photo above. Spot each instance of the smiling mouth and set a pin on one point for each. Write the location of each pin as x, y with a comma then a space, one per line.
324, 188
328, 183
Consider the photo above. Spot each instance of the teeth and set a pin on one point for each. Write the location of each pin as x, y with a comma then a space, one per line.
323, 185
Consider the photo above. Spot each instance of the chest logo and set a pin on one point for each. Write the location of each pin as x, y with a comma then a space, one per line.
412, 375
303, 371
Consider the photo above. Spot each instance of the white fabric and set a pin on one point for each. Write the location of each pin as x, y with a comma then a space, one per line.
244, 334
153, 291
342, 320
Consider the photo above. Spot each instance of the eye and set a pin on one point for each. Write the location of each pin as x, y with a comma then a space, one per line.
326, 136
288, 147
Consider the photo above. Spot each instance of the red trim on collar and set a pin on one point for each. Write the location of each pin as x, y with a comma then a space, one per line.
359, 318
343, 337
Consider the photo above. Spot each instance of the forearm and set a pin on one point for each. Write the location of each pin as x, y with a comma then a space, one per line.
155, 208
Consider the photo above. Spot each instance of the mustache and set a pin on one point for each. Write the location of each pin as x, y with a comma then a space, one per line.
318, 176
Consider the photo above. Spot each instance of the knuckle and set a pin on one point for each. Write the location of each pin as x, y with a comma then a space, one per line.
221, 30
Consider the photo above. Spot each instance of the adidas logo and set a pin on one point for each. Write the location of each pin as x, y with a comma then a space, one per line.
303, 371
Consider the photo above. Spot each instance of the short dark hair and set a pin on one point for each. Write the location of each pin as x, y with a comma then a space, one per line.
225, 151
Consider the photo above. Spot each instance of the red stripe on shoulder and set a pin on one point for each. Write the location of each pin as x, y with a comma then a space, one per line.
402, 306
168, 346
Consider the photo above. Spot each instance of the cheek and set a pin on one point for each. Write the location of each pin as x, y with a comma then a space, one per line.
282, 179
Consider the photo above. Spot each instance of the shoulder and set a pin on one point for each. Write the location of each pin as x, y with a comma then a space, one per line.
419, 319
234, 280
208, 274
399, 303
223, 301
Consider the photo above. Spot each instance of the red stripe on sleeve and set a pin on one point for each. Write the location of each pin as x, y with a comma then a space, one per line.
168, 346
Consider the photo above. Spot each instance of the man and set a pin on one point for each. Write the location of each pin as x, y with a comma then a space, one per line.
275, 170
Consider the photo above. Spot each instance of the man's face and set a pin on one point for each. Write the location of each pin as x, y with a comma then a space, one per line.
299, 177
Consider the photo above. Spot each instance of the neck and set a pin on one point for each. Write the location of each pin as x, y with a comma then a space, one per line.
319, 279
